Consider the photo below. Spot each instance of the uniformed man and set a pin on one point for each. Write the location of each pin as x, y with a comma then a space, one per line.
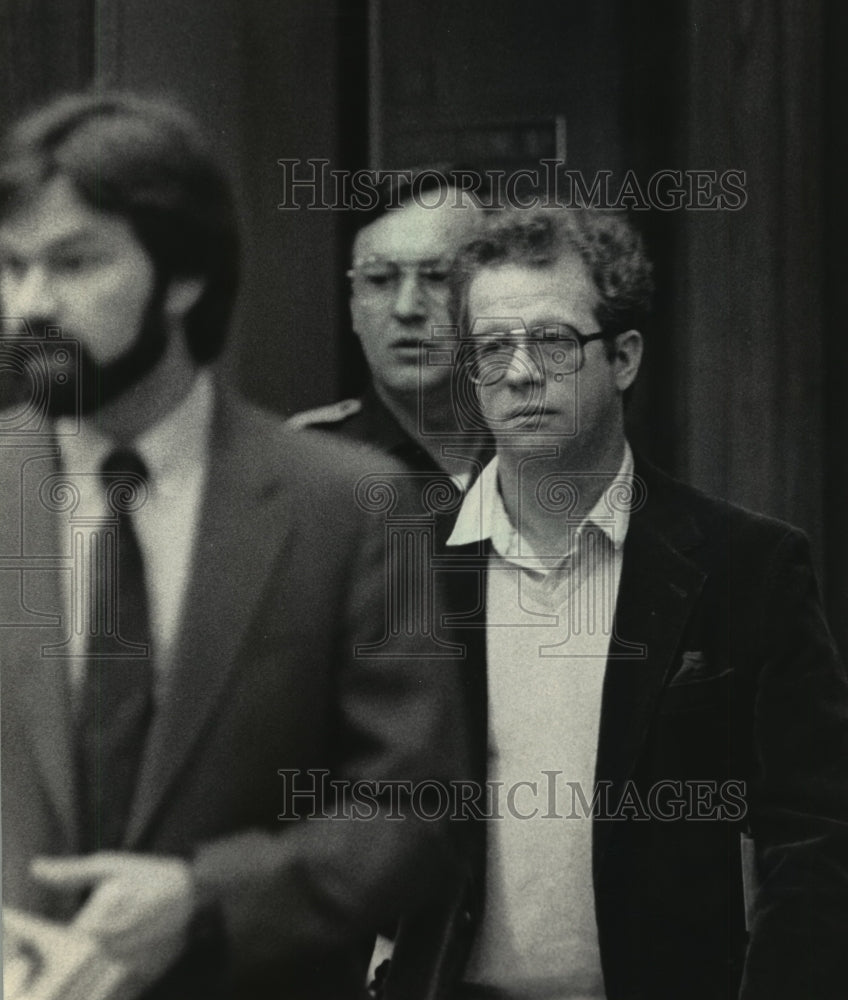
401, 312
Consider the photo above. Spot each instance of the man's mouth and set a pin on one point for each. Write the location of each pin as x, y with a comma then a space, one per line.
407, 351
527, 413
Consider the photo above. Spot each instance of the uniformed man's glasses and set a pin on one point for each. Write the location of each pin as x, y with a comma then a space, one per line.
555, 348
377, 277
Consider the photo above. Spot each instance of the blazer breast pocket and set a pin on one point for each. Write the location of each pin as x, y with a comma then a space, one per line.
698, 683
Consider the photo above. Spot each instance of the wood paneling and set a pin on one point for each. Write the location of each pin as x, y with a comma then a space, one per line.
750, 365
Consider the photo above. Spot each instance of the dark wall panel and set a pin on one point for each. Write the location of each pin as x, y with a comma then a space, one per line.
835, 149
751, 366
263, 77
45, 48
448, 69
293, 315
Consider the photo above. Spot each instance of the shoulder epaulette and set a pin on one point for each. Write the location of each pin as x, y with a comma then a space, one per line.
334, 413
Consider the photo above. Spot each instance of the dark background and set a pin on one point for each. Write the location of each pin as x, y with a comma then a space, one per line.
744, 392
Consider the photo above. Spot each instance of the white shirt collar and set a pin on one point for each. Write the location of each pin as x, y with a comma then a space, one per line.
483, 516
176, 441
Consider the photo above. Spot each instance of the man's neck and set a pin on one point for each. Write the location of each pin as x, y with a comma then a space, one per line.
151, 400
540, 486
437, 403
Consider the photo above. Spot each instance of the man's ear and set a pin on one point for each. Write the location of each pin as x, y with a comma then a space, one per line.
182, 295
627, 356
355, 307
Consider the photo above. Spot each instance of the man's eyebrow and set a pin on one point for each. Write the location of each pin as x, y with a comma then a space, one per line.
506, 326
381, 258
515, 323
82, 239
85, 237
550, 321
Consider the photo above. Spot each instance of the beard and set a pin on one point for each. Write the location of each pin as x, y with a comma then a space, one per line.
67, 377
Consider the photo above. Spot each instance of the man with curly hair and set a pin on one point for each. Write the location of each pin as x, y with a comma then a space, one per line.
662, 720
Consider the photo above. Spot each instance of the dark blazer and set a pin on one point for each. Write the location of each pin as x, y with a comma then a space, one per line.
721, 669
289, 580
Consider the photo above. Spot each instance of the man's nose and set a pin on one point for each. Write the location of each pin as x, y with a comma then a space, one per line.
409, 301
29, 293
524, 368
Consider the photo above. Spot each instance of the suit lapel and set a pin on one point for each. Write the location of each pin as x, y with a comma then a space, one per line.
237, 540
658, 591
35, 688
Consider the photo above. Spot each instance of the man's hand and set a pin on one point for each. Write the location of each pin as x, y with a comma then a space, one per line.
43, 960
139, 908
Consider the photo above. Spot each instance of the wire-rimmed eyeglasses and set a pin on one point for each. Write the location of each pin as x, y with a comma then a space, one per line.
376, 277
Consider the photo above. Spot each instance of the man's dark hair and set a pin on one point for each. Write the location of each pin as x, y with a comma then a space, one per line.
147, 161
606, 242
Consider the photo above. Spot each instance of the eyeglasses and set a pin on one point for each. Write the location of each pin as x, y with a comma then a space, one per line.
377, 277
555, 348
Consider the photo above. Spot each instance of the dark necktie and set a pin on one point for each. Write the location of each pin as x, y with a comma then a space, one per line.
117, 697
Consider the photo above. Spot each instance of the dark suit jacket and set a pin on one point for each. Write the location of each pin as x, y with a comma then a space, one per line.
289, 578
721, 669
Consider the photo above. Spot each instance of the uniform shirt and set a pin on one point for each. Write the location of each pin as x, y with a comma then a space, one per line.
175, 452
549, 622
368, 420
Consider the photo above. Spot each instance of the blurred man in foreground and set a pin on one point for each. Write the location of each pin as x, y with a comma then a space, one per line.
198, 680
